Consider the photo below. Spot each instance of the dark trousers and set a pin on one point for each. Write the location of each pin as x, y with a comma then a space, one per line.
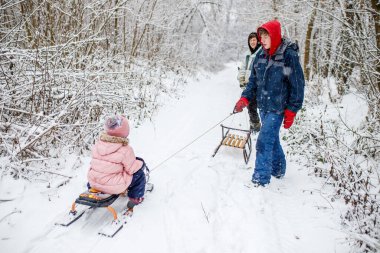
252, 112
137, 187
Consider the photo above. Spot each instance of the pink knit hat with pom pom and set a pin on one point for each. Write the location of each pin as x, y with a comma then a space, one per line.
117, 126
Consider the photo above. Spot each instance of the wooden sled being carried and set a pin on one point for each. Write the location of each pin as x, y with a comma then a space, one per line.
235, 140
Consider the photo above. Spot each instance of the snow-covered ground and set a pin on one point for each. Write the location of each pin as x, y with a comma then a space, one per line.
200, 203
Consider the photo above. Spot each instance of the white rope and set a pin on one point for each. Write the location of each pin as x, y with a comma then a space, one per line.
208, 130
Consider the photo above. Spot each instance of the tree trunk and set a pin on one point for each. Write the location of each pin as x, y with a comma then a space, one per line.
310, 26
345, 64
24, 13
376, 16
115, 28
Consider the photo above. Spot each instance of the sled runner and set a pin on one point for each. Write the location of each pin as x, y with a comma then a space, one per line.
93, 199
237, 138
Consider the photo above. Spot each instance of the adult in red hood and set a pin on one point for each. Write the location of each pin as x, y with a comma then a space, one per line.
277, 83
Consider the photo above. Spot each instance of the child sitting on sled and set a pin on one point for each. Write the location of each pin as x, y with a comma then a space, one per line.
114, 167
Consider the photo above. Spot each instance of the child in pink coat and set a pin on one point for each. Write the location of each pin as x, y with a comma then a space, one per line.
114, 166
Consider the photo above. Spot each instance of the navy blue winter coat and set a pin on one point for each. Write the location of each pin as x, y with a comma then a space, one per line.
277, 81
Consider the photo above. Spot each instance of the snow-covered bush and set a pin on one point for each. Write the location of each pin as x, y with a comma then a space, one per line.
46, 107
66, 64
341, 143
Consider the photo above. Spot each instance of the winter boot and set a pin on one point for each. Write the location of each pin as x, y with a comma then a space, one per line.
255, 127
132, 202
255, 184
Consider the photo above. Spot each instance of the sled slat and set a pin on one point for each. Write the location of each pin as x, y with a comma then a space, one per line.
226, 139
237, 144
243, 142
230, 140
232, 144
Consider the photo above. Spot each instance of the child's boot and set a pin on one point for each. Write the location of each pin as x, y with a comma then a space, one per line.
132, 202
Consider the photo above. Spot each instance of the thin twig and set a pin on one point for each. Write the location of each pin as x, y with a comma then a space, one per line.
205, 213
15, 211
47, 171
6, 200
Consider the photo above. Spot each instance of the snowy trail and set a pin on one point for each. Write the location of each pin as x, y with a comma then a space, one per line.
200, 203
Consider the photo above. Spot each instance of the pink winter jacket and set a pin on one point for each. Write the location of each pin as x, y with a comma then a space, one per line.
113, 164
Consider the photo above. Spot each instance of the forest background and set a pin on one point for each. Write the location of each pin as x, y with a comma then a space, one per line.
66, 64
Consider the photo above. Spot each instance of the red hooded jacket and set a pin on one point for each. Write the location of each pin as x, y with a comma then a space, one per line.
276, 82
274, 29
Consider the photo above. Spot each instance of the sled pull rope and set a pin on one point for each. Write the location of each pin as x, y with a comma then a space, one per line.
200, 136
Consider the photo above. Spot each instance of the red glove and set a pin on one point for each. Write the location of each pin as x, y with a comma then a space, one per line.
288, 118
243, 102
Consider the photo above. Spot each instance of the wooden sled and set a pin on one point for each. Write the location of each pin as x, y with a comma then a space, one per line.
235, 140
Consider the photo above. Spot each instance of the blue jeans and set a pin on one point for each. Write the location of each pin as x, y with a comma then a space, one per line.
270, 158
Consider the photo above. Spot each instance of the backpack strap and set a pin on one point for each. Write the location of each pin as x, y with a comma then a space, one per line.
246, 61
286, 43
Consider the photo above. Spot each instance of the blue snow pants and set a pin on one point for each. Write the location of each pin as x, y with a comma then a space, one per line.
270, 158
137, 187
